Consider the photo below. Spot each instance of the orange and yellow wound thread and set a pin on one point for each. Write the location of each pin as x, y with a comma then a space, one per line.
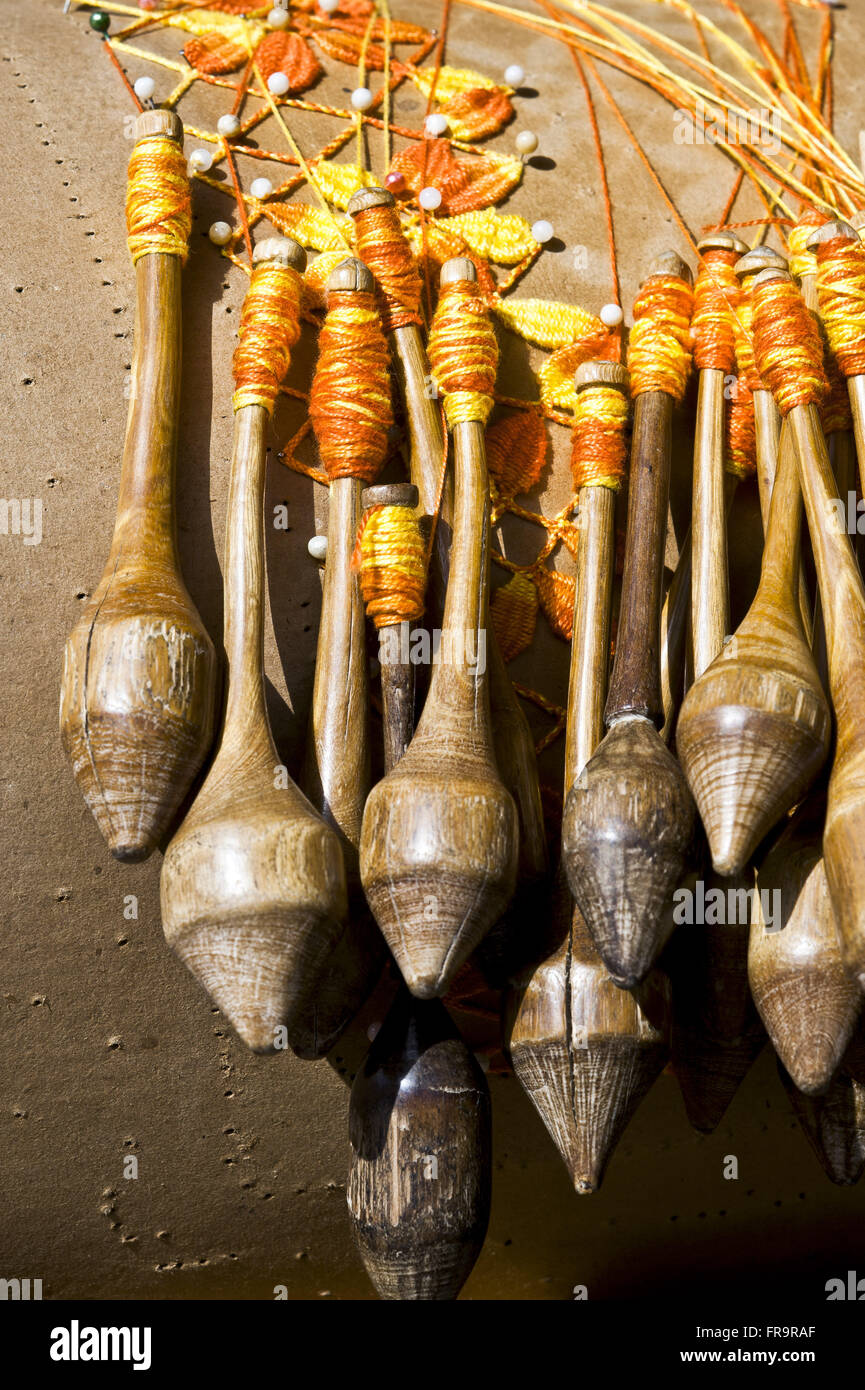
350, 401
158, 199
381, 244
841, 292
740, 432
599, 445
743, 328
463, 353
659, 352
716, 300
787, 346
802, 261
835, 412
269, 329
390, 560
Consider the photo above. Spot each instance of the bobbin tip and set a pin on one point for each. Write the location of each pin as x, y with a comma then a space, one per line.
458, 268
760, 258
369, 198
351, 274
390, 495
722, 241
772, 273
600, 373
671, 263
857, 221
282, 249
159, 122
829, 232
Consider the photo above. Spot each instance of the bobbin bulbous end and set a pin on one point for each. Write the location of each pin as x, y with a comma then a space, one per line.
369, 198
281, 250
831, 231
159, 122
670, 263
458, 268
351, 274
760, 258
601, 373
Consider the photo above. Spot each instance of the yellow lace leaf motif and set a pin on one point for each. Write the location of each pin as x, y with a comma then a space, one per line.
243, 32
546, 323
338, 181
308, 225
556, 373
451, 82
501, 237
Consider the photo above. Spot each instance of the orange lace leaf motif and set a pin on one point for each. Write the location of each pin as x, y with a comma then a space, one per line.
214, 54
465, 184
347, 48
517, 449
514, 611
556, 593
478, 113
290, 54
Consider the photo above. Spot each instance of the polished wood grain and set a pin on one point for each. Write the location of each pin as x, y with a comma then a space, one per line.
336, 775
420, 1177
440, 839
397, 672
834, 1123
843, 602
808, 1002
139, 671
754, 731
629, 835
585, 1051
514, 742
253, 884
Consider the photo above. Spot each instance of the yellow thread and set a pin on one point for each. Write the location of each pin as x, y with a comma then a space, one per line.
598, 452
548, 324
390, 557
463, 353
659, 351
269, 329
158, 201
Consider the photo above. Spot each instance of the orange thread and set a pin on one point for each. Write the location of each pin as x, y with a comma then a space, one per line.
740, 428
350, 405
390, 560
716, 299
787, 345
659, 354
463, 353
269, 329
841, 290
382, 245
599, 449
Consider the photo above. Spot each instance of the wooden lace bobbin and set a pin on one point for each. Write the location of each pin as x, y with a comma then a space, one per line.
715, 338
514, 742
397, 667
420, 1177
636, 816
845, 339
336, 774
806, 998
136, 703
675, 613
439, 843
754, 730
834, 1122
843, 602
253, 885
586, 1051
